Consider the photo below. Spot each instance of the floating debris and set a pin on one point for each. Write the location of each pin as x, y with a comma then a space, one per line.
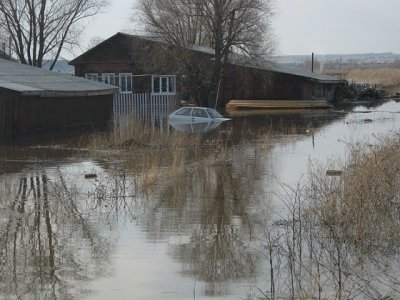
90, 176
334, 173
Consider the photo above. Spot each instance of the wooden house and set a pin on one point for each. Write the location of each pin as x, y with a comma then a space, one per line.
146, 65
32, 99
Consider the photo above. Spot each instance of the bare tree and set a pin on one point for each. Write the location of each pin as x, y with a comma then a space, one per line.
94, 41
42, 28
226, 26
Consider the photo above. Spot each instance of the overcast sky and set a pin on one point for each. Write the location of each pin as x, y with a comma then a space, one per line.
302, 26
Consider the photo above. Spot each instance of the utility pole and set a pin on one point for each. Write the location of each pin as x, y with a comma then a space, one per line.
312, 62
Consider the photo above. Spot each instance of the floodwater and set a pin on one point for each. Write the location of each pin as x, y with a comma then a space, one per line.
64, 235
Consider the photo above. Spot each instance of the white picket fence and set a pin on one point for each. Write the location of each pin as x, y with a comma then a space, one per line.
145, 107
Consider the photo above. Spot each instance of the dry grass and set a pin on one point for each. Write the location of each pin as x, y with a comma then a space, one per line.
340, 232
384, 77
161, 156
363, 205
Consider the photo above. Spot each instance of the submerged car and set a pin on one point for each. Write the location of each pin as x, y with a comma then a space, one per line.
195, 127
196, 115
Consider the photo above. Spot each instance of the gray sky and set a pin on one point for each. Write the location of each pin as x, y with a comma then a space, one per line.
302, 26
337, 26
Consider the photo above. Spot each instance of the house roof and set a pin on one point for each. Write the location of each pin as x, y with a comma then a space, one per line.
33, 81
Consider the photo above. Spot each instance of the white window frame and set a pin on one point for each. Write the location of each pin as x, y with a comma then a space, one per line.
170, 81
123, 78
108, 78
92, 76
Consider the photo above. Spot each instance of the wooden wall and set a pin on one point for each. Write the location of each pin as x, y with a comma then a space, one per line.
31, 113
255, 84
7, 111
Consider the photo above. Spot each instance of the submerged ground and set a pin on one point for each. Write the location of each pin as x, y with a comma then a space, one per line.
242, 211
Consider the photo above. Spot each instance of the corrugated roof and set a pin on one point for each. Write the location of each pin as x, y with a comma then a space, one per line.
34, 81
279, 68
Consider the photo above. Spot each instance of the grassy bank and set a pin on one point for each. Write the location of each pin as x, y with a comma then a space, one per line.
363, 205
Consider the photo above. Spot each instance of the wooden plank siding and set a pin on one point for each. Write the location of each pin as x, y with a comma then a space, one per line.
22, 114
7, 112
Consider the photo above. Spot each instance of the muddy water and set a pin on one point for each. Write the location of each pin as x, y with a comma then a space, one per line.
75, 224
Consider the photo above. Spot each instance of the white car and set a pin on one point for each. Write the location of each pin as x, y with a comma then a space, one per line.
199, 127
196, 115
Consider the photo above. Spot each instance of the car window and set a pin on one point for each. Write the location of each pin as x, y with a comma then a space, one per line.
198, 112
184, 112
213, 113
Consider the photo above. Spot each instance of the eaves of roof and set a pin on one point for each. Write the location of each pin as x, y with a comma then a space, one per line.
32, 81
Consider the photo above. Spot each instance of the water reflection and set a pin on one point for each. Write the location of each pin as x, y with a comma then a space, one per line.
220, 230
48, 248
51, 244
63, 236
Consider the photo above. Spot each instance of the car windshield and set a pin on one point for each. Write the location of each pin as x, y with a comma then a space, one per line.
213, 113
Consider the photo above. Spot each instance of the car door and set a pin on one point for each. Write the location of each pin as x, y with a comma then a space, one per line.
199, 115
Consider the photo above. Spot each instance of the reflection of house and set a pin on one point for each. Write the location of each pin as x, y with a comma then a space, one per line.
129, 62
32, 98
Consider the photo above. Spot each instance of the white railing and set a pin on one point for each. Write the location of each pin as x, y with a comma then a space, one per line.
125, 103
145, 107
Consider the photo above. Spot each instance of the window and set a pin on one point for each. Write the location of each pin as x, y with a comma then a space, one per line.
164, 85
156, 85
108, 78
171, 85
125, 82
92, 76
213, 114
200, 113
184, 112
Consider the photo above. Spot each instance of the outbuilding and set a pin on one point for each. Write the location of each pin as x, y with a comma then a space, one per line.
34, 99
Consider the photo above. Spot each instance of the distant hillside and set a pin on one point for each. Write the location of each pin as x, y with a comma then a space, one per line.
61, 66
343, 60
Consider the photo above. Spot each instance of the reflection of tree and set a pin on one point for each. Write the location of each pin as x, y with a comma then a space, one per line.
204, 209
219, 250
48, 249
212, 208
207, 208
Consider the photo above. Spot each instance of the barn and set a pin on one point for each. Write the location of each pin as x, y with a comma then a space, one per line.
34, 99
147, 65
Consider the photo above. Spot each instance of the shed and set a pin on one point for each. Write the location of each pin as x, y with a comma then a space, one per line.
33, 99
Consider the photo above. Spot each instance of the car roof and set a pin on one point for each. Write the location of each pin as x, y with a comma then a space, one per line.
199, 107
